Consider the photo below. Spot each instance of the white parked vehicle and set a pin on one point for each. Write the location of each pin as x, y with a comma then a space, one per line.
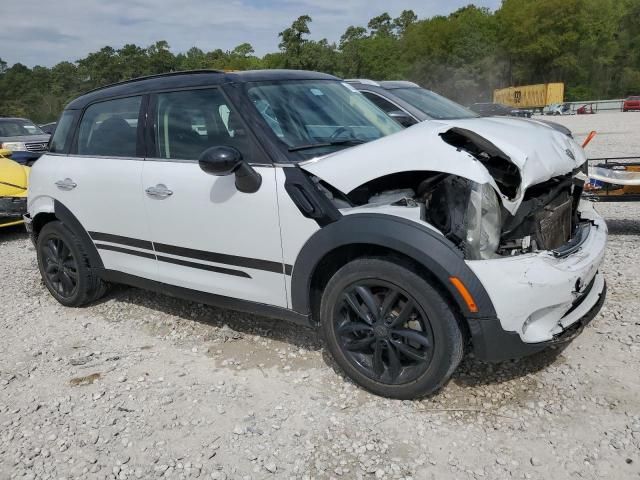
289, 194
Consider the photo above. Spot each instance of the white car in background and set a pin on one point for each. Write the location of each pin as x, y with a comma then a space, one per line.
289, 194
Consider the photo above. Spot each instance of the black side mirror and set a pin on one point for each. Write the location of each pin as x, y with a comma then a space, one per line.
224, 161
403, 118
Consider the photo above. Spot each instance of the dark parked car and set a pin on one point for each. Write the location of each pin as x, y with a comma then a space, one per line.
49, 128
409, 103
22, 135
498, 110
631, 103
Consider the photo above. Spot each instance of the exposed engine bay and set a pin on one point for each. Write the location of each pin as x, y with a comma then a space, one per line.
471, 214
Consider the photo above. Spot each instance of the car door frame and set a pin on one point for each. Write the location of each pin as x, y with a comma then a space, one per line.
152, 155
110, 241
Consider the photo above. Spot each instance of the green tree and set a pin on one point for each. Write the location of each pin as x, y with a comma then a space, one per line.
591, 45
402, 23
382, 26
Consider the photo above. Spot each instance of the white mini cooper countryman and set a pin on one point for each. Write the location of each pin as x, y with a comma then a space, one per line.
289, 194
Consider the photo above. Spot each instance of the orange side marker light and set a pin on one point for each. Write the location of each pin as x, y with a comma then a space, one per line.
464, 293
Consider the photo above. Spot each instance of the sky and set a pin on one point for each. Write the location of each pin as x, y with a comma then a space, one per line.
37, 32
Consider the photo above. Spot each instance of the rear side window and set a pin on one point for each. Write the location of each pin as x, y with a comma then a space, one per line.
60, 140
109, 128
189, 122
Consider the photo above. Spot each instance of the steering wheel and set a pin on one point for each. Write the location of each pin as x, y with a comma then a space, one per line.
340, 131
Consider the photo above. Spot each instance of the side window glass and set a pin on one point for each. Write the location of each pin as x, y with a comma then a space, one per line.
381, 102
60, 140
110, 128
190, 122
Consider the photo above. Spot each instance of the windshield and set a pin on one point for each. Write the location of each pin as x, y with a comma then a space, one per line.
18, 128
434, 105
316, 117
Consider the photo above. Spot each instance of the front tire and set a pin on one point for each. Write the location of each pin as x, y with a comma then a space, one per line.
389, 330
65, 268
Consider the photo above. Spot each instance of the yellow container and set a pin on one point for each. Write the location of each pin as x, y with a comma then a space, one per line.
530, 96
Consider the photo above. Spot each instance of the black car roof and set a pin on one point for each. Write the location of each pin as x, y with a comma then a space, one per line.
195, 78
384, 84
14, 118
393, 84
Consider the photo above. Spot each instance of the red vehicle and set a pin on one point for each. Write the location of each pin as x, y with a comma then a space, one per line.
585, 110
631, 103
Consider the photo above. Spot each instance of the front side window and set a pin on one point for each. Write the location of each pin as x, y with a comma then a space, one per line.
110, 128
60, 139
434, 105
315, 117
190, 122
18, 128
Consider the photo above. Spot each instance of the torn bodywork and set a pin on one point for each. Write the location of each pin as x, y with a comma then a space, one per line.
471, 190
507, 195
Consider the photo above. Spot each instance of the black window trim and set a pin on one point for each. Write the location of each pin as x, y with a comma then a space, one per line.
70, 134
151, 151
364, 90
73, 148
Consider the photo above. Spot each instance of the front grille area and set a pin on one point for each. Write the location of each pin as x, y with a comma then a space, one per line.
36, 147
553, 223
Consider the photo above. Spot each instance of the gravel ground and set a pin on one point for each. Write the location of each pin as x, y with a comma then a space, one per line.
143, 386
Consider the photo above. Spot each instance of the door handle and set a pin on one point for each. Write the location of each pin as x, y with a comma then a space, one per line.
66, 184
159, 191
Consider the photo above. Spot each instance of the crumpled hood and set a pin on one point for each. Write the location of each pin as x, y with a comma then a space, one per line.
13, 178
539, 152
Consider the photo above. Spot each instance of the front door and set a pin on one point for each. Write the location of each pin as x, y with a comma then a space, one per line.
100, 182
207, 235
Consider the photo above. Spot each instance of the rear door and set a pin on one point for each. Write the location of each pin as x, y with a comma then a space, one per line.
100, 182
208, 236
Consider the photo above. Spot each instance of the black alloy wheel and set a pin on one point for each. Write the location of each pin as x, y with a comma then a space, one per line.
384, 332
65, 267
60, 267
389, 329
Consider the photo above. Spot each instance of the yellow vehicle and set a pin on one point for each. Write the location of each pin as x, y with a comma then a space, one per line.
14, 179
530, 96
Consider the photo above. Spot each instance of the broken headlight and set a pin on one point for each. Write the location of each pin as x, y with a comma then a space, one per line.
483, 223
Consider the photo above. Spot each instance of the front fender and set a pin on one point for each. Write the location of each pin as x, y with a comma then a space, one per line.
40, 204
434, 252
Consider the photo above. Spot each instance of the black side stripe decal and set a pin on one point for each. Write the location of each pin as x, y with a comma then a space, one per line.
130, 242
253, 263
210, 268
128, 251
176, 261
256, 264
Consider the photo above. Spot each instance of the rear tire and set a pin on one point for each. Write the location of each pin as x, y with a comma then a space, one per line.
65, 268
389, 330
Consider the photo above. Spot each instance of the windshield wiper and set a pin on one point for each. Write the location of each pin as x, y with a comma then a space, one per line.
346, 141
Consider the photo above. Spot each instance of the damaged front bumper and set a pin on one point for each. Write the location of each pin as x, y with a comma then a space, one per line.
11, 210
541, 298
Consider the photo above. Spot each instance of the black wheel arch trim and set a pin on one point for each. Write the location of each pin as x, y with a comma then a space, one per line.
63, 214
435, 253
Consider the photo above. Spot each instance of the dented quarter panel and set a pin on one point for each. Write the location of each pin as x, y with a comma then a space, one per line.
539, 152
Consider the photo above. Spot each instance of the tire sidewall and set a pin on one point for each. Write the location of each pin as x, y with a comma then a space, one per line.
447, 337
